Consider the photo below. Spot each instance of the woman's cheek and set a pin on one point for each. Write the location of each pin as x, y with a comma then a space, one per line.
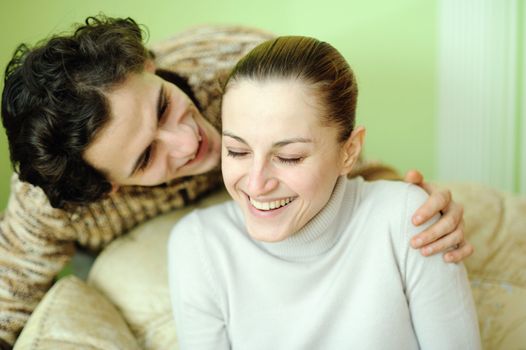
229, 172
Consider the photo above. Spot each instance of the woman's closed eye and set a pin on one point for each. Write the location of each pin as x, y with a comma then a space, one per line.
290, 161
236, 154
281, 159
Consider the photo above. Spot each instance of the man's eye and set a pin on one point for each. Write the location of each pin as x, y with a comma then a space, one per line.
234, 154
163, 107
289, 160
146, 159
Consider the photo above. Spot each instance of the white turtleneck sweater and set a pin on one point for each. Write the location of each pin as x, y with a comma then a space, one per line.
347, 280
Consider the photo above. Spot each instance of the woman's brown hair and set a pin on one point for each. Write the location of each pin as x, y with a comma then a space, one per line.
315, 62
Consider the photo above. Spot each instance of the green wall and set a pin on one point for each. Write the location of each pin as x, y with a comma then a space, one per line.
390, 44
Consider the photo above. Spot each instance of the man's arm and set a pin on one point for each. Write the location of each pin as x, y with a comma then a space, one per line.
31, 255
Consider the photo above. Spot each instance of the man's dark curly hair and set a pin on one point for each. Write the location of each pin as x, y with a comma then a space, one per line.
53, 104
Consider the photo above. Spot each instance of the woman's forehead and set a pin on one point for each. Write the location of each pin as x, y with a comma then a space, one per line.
270, 111
280, 98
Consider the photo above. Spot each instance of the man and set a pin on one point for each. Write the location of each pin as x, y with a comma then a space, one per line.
101, 142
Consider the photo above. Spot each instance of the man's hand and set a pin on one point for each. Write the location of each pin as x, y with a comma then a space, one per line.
447, 234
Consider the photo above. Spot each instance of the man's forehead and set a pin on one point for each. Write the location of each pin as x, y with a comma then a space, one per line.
121, 140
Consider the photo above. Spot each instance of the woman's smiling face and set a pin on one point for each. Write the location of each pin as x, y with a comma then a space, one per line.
279, 162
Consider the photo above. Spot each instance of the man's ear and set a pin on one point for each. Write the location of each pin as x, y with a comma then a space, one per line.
352, 149
114, 188
149, 65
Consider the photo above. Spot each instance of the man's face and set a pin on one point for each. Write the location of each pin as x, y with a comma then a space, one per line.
155, 134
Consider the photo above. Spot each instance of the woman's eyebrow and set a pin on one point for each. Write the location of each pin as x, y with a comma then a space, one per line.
275, 144
289, 141
237, 138
143, 156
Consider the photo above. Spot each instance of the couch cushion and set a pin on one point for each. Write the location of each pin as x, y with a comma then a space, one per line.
132, 273
495, 223
72, 315
501, 309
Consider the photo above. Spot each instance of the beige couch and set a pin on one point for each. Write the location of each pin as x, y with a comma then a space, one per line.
125, 302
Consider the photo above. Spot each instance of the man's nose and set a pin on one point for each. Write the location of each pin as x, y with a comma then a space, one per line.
180, 142
261, 180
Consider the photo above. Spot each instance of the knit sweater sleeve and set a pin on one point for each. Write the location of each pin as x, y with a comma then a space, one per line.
34, 247
439, 295
196, 305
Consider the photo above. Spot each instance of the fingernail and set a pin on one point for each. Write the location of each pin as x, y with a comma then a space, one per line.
428, 250
418, 219
449, 258
418, 242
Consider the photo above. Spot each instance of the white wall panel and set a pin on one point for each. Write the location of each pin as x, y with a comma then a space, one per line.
478, 84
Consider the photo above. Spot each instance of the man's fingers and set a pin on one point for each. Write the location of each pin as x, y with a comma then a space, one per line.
464, 250
414, 177
438, 201
447, 224
444, 244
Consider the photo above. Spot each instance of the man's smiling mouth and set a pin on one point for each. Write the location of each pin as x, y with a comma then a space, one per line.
202, 143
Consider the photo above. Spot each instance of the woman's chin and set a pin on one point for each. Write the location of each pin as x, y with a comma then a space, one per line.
266, 235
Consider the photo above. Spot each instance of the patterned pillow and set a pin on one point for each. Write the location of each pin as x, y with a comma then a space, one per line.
73, 315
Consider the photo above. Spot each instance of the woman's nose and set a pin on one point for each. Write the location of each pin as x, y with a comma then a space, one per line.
261, 180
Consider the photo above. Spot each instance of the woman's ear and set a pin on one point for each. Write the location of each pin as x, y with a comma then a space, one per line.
352, 149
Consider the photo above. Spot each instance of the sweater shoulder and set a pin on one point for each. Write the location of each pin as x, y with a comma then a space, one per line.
392, 194
208, 45
394, 202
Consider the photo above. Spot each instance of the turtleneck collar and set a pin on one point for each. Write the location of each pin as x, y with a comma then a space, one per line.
320, 233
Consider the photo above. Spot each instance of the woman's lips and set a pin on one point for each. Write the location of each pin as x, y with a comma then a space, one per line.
271, 204
267, 213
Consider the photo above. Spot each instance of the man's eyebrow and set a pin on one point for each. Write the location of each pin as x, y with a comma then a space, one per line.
275, 144
140, 160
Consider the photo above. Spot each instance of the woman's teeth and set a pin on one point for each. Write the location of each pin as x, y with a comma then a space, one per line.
271, 205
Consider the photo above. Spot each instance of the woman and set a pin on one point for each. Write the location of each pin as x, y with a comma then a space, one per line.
304, 258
